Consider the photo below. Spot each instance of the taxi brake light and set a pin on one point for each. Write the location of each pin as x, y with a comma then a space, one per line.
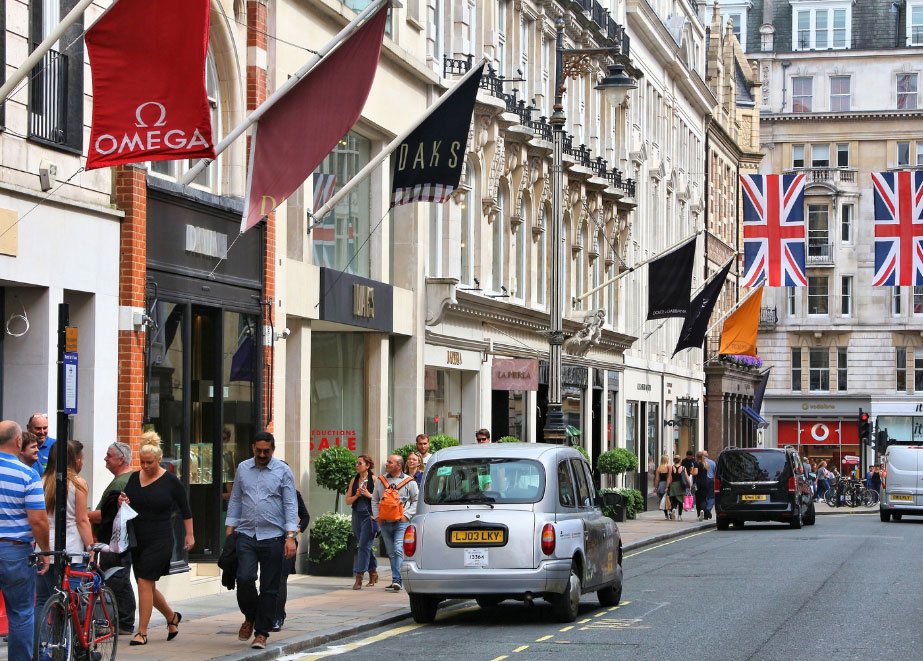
410, 541
791, 484
547, 539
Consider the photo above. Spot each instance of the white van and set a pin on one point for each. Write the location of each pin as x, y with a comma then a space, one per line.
902, 482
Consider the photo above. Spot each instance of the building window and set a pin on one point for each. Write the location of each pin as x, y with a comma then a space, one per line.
842, 155
802, 93
906, 91
819, 370
435, 240
796, 369
901, 368
790, 298
903, 153
895, 301
498, 237
470, 203
818, 231
797, 156
821, 29
846, 296
541, 252
918, 372
842, 358
502, 12
341, 237
839, 93
846, 216
820, 156
817, 294
519, 286
524, 59
917, 300
915, 26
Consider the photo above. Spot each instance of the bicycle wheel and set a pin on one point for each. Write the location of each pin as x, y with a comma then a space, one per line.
831, 497
103, 637
870, 498
54, 640
852, 498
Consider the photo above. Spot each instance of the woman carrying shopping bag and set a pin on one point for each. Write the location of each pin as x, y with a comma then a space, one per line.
676, 487
662, 476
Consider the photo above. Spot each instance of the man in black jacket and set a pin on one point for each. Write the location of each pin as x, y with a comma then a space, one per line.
289, 567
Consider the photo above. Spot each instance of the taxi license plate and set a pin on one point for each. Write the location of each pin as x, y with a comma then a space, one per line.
476, 557
901, 497
478, 537
753, 497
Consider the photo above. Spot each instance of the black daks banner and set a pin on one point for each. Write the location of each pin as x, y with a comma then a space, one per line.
695, 326
669, 281
427, 165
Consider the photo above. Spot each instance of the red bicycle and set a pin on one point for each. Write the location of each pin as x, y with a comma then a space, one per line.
78, 623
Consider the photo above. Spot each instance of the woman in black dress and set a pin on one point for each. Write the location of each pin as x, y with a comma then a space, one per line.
153, 493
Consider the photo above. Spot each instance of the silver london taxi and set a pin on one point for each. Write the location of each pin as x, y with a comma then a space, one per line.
510, 521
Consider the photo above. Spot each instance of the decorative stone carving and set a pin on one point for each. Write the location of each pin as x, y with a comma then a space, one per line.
440, 294
586, 337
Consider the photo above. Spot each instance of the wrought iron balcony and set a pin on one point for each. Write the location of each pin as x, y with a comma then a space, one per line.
48, 98
819, 253
768, 317
835, 176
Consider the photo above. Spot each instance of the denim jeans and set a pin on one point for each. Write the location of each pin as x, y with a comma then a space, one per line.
267, 555
393, 534
17, 582
362, 529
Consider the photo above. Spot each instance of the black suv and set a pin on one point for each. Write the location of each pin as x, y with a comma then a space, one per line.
755, 484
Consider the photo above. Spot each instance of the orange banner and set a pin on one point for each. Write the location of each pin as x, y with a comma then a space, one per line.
738, 337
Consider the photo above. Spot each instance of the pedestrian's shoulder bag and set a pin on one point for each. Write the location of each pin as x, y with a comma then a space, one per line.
390, 508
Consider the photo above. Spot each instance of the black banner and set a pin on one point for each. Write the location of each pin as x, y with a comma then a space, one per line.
669, 281
700, 308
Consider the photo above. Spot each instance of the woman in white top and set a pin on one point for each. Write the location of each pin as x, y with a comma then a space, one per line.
78, 534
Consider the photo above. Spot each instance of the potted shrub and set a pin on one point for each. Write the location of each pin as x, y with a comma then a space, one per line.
508, 439
616, 462
333, 469
332, 546
632, 503
440, 441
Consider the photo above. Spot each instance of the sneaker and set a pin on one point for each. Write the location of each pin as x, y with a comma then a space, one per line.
259, 643
394, 587
245, 631
277, 625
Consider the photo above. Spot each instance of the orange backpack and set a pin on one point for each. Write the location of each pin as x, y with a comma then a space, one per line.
390, 508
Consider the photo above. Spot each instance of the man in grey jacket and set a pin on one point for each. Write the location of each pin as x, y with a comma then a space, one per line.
393, 531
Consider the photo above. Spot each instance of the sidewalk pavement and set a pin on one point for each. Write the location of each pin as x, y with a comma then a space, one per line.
323, 609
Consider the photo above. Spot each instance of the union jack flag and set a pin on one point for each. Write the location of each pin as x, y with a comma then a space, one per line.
773, 230
898, 228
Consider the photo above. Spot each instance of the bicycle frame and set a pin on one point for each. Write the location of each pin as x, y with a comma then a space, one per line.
82, 630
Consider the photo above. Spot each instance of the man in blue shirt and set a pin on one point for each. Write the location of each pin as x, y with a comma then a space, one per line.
38, 425
28, 454
22, 522
263, 511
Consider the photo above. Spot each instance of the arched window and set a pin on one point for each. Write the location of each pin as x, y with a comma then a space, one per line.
469, 209
519, 286
499, 239
541, 260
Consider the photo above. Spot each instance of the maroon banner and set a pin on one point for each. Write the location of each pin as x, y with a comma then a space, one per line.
148, 65
292, 138
515, 374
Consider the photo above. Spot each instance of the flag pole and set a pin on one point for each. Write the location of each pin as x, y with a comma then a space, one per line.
729, 312
36, 56
394, 144
296, 77
586, 295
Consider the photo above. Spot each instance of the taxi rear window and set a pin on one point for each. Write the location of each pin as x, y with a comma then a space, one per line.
484, 480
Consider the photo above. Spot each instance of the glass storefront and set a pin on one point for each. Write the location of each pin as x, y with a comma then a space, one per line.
442, 402
338, 404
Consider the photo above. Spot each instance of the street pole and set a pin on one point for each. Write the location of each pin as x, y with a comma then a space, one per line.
60, 446
554, 431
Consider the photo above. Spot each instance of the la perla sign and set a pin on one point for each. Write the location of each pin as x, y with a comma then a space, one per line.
363, 301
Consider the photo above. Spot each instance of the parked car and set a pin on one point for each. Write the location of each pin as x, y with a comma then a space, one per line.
511, 521
762, 484
901, 482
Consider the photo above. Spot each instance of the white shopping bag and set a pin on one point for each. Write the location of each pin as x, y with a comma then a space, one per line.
121, 538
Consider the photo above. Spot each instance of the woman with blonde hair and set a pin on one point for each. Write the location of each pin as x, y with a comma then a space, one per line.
660, 479
78, 534
414, 466
154, 493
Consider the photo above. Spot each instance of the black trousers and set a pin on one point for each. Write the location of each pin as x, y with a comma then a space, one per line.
288, 567
120, 582
266, 556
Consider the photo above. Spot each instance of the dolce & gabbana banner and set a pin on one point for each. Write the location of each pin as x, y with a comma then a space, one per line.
149, 99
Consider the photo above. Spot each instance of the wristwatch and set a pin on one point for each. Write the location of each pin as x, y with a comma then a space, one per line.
291, 535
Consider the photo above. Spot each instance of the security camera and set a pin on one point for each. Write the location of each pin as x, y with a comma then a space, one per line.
283, 334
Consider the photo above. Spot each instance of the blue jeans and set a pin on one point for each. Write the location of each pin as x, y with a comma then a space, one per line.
267, 555
393, 534
17, 582
362, 529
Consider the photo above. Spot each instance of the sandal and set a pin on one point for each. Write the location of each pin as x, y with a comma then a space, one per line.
135, 641
177, 618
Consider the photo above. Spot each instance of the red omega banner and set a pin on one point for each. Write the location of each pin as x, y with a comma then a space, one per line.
148, 65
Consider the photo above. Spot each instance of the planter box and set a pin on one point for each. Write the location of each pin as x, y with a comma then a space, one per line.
340, 565
620, 514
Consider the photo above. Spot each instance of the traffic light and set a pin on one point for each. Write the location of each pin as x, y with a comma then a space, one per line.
865, 427
883, 440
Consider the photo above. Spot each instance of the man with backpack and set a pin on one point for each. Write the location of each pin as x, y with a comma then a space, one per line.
394, 502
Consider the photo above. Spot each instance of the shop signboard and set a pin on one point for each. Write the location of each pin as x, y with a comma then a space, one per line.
356, 301
818, 432
515, 374
321, 439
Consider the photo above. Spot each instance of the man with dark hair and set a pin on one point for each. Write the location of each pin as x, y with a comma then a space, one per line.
38, 425
263, 513
29, 453
482, 436
423, 448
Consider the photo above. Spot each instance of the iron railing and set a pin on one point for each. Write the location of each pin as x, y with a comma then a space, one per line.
819, 252
48, 98
768, 317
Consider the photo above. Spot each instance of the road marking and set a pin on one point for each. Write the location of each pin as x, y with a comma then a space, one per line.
680, 539
600, 614
617, 623
583, 621
499, 658
566, 628
544, 638
349, 647
520, 648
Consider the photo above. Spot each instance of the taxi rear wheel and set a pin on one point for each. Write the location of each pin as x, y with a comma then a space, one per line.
610, 595
885, 515
567, 604
423, 607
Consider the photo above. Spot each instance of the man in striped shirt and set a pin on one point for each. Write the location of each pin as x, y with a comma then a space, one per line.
22, 522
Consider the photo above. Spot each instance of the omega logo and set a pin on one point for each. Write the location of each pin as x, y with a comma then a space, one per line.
149, 140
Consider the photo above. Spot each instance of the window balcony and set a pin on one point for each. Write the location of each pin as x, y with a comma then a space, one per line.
833, 176
820, 253
768, 318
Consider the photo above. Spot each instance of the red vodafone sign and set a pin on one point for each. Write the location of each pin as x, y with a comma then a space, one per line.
818, 432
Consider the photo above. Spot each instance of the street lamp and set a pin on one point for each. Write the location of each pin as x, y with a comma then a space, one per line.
570, 63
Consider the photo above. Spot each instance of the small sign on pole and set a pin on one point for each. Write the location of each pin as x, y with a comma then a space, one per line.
70, 338
70, 382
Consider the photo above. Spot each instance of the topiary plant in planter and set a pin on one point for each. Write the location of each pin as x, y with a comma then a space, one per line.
616, 462
440, 441
633, 499
508, 439
332, 545
333, 469
405, 450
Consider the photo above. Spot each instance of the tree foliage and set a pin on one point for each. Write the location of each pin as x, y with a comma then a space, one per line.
334, 468
617, 461
331, 532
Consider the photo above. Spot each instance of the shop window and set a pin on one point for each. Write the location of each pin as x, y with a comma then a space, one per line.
653, 428
819, 369
900, 364
842, 358
797, 156
631, 414
817, 294
906, 91
802, 93
342, 236
442, 402
846, 222
839, 93
796, 369
918, 372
